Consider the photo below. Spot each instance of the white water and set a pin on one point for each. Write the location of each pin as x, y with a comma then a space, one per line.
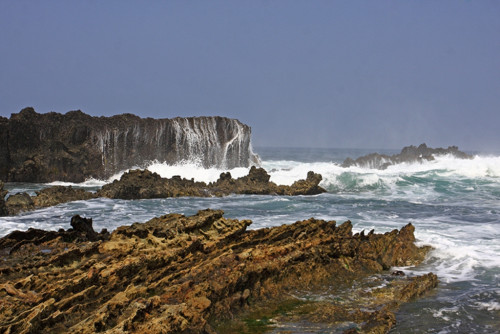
454, 205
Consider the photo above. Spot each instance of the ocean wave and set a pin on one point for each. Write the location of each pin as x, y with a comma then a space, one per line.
445, 175
339, 179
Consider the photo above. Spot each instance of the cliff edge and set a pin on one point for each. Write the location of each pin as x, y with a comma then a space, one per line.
75, 146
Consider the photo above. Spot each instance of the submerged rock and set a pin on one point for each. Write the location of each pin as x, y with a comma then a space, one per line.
409, 154
141, 184
178, 274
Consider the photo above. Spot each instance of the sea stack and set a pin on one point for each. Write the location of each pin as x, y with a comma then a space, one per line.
75, 146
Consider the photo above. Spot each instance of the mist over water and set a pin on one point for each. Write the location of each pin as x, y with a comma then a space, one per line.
454, 205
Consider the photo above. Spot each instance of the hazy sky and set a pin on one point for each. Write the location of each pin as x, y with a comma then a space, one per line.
369, 74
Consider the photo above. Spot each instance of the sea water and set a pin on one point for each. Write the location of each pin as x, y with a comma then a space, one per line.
454, 205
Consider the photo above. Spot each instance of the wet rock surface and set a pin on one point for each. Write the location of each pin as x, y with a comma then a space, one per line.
144, 184
23, 202
18, 203
409, 154
178, 274
75, 146
3, 207
60, 194
141, 184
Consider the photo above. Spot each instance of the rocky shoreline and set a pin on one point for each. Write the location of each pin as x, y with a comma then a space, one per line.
204, 274
143, 184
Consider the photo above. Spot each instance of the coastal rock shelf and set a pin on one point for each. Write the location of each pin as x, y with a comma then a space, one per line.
143, 184
178, 274
75, 146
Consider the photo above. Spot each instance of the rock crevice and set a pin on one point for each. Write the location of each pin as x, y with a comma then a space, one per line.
179, 274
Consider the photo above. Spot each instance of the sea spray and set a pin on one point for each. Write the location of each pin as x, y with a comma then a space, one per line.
454, 205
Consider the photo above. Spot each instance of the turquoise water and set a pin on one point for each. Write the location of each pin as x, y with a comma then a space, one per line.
454, 205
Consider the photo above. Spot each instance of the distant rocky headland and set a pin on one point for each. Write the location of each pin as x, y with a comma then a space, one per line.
144, 184
75, 146
205, 274
408, 154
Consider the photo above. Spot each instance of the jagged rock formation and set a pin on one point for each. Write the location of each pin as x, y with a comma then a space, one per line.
142, 184
75, 146
177, 274
408, 154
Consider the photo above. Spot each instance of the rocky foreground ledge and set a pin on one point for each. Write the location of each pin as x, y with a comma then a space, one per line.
178, 274
143, 184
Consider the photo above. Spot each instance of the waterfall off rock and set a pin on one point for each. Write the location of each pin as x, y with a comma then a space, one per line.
75, 146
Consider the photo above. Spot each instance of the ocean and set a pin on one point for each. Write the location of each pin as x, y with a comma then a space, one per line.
454, 205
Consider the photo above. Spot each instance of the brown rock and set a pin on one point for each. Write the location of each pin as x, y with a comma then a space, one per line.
140, 184
186, 274
58, 194
22, 202
18, 203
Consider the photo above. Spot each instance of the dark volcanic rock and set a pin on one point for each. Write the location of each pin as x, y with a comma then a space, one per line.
178, 274
3, 208
142, 184
82, 231
75, 146
408, 154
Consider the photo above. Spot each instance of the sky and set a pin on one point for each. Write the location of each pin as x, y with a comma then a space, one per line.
340, 74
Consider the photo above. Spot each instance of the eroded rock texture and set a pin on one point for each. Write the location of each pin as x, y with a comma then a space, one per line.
141, 184
23, 202
409, 154
177, 274
75, 146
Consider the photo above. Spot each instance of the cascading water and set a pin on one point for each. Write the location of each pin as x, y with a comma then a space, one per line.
207, 141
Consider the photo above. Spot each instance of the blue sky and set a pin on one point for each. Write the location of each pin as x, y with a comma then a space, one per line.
367, 74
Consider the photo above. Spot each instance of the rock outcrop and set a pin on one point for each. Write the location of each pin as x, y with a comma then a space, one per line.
178, 274
142, 184
60, 194
23, 202
75, 146
3, 207
408, 154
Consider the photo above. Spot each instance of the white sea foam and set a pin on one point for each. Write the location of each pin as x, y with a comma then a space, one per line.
285, 172
335, 177
90, 183
445, 312
489, 306
190, 170
460, 249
